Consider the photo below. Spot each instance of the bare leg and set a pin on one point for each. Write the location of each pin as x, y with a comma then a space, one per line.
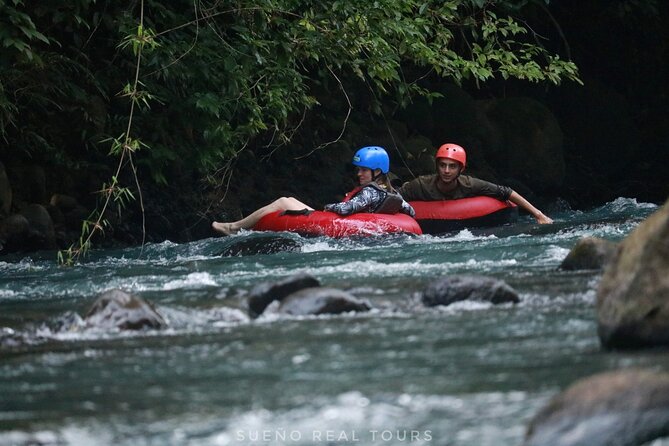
280, 204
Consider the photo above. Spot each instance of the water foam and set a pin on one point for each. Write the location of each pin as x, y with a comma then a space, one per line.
192, 280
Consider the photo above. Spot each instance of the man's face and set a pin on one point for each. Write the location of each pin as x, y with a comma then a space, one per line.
447, 169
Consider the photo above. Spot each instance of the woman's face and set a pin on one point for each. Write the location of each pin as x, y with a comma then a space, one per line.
364, 175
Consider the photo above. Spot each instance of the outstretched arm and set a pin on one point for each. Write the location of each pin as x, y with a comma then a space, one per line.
523, 203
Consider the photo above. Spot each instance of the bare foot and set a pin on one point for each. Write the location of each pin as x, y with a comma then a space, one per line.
224, 228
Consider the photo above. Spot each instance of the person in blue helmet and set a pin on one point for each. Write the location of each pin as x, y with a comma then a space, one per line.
374, 194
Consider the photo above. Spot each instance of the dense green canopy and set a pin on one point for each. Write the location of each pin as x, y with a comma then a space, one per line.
194, 84
218, 76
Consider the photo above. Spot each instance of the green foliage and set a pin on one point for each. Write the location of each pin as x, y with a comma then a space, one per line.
46, 81
18, 32
208, 79
245, 69
220, 75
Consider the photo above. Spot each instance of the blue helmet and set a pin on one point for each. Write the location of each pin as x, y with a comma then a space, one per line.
372, 157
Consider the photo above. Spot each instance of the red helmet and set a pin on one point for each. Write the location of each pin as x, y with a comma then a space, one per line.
453, 152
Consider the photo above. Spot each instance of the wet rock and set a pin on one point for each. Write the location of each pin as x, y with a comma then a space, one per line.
633, 294
68, 322
57, 216
266, 244
41, 233
70, 213
589, 253
265, 293
116, 309
13, 231
63, 202
75, 216
321, 300
450, 289
622, 408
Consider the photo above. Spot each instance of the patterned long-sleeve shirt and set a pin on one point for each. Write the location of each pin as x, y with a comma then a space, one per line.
368, 199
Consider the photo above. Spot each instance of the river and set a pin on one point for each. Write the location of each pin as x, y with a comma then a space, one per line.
470, 374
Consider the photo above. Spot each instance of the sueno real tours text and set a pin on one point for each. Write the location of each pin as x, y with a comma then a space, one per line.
327, 436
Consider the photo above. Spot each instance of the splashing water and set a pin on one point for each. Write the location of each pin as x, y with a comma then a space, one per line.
468, 374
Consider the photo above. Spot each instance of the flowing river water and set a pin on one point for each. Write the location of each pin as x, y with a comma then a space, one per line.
469, 374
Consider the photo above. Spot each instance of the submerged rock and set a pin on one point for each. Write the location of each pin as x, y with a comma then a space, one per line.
450, 289
265, 293
622, 408
116, 309
589, 253
321, 300
633, 294
266, 244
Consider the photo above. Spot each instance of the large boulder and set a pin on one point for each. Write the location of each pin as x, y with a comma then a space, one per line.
450, 289
622, 408
116, 309
321, 300
42, 234
589, 253
265, 293
13, 232
63, 202
633, 294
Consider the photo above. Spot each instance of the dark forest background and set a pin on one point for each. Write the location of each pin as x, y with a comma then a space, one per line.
293, 126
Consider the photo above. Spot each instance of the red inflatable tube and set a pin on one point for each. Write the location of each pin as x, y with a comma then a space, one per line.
435, 217
319, 223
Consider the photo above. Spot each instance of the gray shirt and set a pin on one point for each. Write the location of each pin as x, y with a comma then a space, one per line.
424, 188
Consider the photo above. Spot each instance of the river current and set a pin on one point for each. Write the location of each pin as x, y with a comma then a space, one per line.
470, 374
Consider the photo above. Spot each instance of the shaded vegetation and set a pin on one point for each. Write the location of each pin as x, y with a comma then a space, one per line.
231, 84
228, 75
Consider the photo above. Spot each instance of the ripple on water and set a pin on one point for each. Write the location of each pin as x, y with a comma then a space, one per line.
472, 373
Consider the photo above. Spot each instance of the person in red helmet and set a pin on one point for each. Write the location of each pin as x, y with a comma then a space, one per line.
448, 183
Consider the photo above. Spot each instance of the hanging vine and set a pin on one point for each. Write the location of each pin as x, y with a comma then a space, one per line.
124, 147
